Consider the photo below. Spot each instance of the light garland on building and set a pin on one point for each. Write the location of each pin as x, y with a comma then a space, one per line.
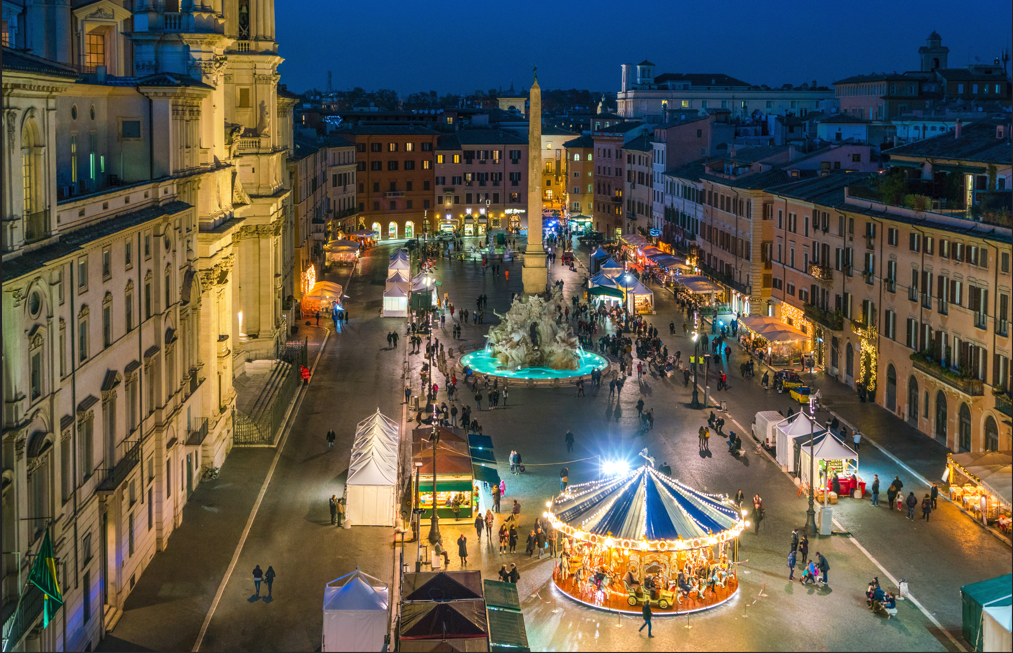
798, 319
868, 360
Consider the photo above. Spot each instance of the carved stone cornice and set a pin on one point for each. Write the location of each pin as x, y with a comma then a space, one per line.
19, 448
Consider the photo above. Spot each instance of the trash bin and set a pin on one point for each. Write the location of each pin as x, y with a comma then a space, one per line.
902, 589
724, 406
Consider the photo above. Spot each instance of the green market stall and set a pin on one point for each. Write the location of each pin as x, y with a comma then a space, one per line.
985, 610
455, 478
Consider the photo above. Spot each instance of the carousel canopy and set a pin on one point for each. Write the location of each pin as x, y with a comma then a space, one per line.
644, 505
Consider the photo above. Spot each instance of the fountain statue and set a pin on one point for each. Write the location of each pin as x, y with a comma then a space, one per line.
528, 336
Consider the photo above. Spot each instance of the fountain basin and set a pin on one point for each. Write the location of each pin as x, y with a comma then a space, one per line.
483, 362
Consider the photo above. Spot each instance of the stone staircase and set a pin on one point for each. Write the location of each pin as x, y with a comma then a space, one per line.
111, 616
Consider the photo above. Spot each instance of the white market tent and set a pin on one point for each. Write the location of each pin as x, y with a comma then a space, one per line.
638, 296
788, 429
399, 264
828, 448
355, 613
399, 253
996, 624
372, 473
395, 300
397, 276
601, 280
611, 269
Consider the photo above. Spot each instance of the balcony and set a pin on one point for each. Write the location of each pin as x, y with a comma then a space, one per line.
172, 22
822, 273
968, 385
242, 46
1004, 404
114, 477
870, 242
197, 433
980, 321
833, 320
20, 621
36, 226
394, 193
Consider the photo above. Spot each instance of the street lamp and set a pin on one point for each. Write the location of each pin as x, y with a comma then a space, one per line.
810, 514
696, 361
434, 524
417, 514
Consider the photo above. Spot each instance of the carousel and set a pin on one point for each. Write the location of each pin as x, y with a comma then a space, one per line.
643, 536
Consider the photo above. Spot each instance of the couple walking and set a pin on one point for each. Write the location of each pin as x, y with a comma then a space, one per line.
259, 575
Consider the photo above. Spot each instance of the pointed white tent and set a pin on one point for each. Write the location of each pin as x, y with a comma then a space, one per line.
398, 276
796, 425
611, 269
395, 299
372, 473
829, 448
355, 613
399, 264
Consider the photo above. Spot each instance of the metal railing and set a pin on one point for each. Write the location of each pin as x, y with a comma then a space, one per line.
833, 320
115, 476
969, 386
1004, 404
197, 433
23, 619
261, 427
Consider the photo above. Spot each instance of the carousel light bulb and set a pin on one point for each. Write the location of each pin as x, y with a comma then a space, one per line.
548, 504
744, 512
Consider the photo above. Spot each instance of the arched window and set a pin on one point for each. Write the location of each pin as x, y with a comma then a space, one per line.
991, 434
376, 230
965, 428
392, 230
941, 416
891, 388
409, 229
912, 400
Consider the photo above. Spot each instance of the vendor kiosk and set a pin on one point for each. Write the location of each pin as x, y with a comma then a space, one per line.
455, 480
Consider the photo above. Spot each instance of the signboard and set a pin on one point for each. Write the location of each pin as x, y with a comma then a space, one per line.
655, 233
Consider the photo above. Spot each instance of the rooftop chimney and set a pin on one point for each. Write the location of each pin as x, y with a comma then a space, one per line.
956, 129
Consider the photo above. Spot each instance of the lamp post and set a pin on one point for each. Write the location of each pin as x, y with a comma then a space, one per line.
417, 513
434, 524
696, 361
810, 514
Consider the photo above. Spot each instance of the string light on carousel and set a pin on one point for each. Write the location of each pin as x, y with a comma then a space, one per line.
643, 536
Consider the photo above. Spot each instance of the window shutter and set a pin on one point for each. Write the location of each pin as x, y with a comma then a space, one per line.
965, 354
941, 287
938, 347
983, 301
975, 303
995, 370
983, 362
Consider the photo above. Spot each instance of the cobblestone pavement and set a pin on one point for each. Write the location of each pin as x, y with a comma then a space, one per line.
357, 374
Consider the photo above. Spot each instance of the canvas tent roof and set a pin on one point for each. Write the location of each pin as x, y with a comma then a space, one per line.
611, 264
399, 264
601, 280
773, 329
442, 586
636, 240
979, 597
698, 285
325, 290
605, 291
355, 592
600, 253
398, 276
396, 290
400, 253
453, 619
336, 245
355, 613
668, 261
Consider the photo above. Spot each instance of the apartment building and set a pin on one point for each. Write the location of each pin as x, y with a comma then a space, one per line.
639, 187
580, 176
610, 176
342, 207
554, 186
307, 170
682, 204
144, 178
480, 179
395, 177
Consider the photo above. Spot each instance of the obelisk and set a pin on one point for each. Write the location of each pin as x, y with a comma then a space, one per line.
534, 275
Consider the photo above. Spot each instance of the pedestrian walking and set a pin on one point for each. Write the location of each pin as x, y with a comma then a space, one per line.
857, 439
911, 503
647, 616
926, 507
757, 512
934, 495
334, 509
258, 576
540, 541
513, 538
739, 498
514, 574
504, 575
564, 478
479, 527
504, 395
701, 436
407, 393
794, 540
893, 491
569, 441
515, 512
478, 400
791, 565
640, 407
875, 490
462, 549
269, 579
706, 440
530, 545
331, 435
504, 534
495, 497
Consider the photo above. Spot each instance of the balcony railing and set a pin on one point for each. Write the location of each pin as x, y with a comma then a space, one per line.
197, 433
242, 46
833, 320
22, 620
394, 193
1004, 404
821, 273
115, 476
36, 225
980, 321
969, 386
172, 22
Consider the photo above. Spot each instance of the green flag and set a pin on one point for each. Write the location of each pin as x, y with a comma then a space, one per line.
43, 576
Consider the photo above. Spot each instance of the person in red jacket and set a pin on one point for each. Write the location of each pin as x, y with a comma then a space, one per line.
305, 373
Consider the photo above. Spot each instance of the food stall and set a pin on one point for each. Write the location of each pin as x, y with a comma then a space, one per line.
610, 268
371, 487
595, 260
781, 342
980, 482
365, 237
639, 299
643, 536
831, 457
395, 299
455, 480
785, 432
322, 297
342, 252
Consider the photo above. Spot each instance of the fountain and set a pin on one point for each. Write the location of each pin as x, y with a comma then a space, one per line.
529, 344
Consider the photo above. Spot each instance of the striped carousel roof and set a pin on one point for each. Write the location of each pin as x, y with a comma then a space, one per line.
644, 505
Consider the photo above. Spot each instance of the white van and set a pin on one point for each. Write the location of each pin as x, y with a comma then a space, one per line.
763, 427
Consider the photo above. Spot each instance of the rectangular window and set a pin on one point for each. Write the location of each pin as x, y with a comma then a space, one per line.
128, 254
107, 257
82, 341
66, 478
107, 325
130, 129
244, 98
82, 273
151, 507
147, 246
439, 158
130, 535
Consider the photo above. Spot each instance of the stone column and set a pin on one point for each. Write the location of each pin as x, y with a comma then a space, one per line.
534, 275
